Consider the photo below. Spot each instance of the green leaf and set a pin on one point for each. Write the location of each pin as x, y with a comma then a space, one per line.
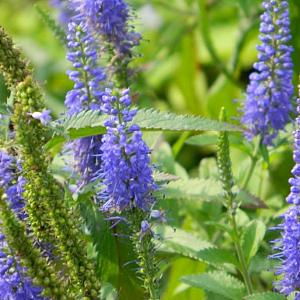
217, 257
198, 189
250, 201
187, 245
205, 190
178, 241
108, 292
202, 140
150, 119
266, 296
88, 123
252, 236
102, 239
217, 282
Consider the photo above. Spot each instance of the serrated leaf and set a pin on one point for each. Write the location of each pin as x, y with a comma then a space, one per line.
266, 296
217, 282
205, 190
156, 120
202, 189
252, 236
178, 241
88, 123
217, 257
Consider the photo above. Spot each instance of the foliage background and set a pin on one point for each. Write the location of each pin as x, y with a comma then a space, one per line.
181, 73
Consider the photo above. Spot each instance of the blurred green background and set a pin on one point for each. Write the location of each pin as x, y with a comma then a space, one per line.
192, 61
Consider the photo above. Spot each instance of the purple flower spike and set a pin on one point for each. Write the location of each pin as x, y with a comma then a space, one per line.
88, 78
125, 170
269, 93
288, 245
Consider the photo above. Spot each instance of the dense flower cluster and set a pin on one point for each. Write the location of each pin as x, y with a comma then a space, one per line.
289, 243
109, 18
125, 169
14, 284
87, 75
270, 90
88, 78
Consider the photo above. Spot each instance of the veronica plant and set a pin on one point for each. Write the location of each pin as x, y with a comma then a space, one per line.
270, 91
287, 246
87, 76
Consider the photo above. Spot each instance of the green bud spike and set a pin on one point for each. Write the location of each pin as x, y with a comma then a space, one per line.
46, 205
145, 250
12, 64
224, 161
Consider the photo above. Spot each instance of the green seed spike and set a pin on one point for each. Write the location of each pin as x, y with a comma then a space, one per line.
38, 268
12, 64
48, 214
224, 161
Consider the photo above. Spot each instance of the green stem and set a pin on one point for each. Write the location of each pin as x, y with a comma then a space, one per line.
240, 253
254, 159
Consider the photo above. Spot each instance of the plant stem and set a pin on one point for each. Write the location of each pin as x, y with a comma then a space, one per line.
254, 159
240, 254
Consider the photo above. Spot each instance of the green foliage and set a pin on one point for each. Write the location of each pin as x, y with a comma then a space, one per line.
252, 235
219, 283
102, 239
266, 296
192, 189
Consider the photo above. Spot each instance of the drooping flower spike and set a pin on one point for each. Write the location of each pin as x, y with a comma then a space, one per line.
270, 91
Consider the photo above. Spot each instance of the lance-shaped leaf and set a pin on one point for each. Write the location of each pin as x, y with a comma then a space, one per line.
219, 283
88, 123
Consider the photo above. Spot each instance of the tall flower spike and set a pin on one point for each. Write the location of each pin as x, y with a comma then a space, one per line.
14, 281
88, 78
269, 93
125, 168
288, 245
